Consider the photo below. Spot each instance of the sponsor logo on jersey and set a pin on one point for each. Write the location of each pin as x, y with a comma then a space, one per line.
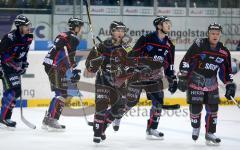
211, 66
211, 57
219, 60
158, 58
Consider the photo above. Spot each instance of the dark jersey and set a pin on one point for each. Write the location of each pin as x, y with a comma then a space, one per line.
207, 62
114, 56
114, 60
160, 51
63, 52
14, 48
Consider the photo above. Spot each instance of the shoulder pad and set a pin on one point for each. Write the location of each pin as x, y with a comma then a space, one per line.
10, 36
170, 41
223, 50
63, 34
198, 41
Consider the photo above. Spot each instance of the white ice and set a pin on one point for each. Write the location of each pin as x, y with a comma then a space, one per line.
78, 136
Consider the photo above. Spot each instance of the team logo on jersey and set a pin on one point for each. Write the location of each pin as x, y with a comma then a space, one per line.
149, 48
203, 56
219, 60
159, 49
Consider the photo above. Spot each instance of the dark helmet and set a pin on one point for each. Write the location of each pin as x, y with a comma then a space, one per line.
21, 20
160, 19
215, 26
74, 22
117, 24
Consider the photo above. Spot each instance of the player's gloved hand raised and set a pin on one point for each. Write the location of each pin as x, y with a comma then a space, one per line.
75, 75
182, 82
96, 62
173, 85
230, 90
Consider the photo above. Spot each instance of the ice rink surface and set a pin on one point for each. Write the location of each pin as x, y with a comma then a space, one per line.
78, 136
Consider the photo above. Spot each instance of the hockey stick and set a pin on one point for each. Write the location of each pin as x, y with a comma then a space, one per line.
238, 105
24, 120
90, 24
83, 109
171, 107
84, 113
145, 83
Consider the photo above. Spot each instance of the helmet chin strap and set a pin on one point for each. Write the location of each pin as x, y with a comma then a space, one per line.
73, 31
163, 31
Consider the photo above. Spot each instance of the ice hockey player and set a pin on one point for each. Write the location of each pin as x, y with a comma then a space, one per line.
108, 60
198, 77
59, 59
161, 50
14, 48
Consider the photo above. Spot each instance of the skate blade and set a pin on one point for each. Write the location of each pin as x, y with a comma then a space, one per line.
4, 127
211, 143
152, 137
51, 129
44, 127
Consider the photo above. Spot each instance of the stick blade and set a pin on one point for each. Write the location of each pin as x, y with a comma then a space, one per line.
27, 123
171, 107
238, 105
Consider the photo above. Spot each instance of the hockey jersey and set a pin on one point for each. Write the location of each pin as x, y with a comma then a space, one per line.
14, 48
62, 54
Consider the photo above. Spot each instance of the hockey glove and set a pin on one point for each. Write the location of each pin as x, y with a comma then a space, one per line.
182, 82
144, 70
230, 90
25, 65
173, 85
23, 68
75, 75
96, 63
